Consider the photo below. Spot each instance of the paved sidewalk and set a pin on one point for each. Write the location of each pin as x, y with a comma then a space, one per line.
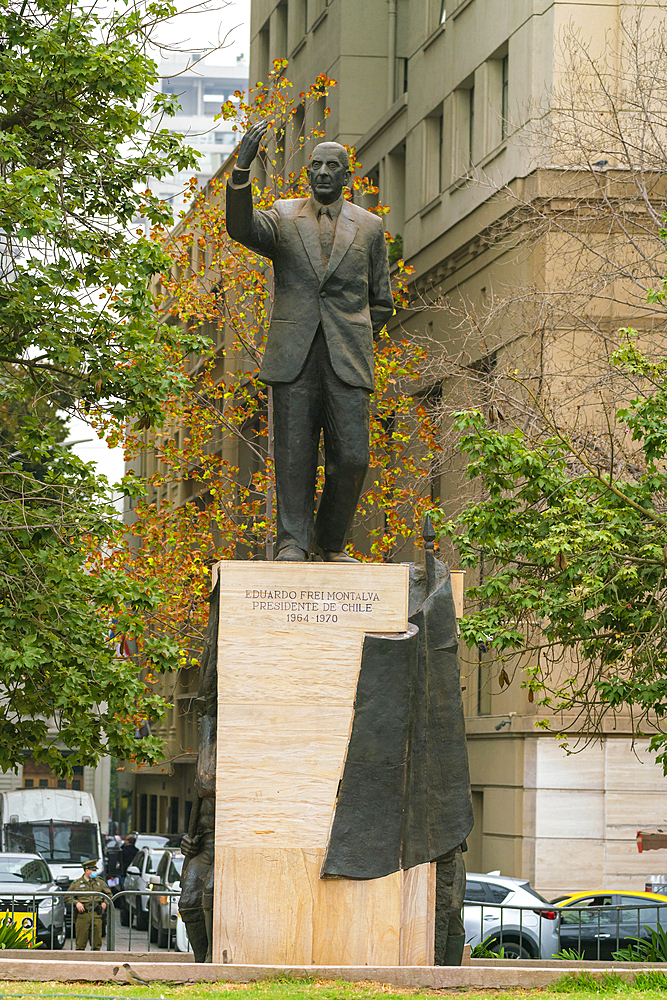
137, 943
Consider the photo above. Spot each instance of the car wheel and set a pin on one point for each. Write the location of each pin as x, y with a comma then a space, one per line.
140, 918
510, 949
59, 938
124, 914
154, 930
163, 938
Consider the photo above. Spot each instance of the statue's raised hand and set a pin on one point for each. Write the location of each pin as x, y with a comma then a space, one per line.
250, 144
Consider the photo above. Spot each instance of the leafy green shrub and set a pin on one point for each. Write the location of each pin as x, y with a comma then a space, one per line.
482, 950
642, 950
570, 955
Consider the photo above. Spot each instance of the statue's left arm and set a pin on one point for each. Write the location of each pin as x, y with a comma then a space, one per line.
255, 229
380, 299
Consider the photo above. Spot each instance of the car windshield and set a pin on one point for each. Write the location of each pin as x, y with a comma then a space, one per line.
144, 841
18, 870
59, 842
175, 869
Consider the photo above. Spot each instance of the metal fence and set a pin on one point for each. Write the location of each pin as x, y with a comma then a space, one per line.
521, 931
50, 918
593, 932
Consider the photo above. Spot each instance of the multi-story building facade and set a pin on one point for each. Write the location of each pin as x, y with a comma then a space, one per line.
201, 90
428, 93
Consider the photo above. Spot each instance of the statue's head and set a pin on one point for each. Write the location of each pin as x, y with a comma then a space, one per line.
329, 171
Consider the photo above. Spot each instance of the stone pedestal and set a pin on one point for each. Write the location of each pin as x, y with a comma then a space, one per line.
289, 653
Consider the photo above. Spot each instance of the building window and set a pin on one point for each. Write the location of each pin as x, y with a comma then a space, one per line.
433, 139
370, 201
263, 52
279, 32
320, 116
436, 15
504, 100
298, 22
294, 157
173, 814
187, 93
395, 195
39, 776
152, 814
76, 784
471, 126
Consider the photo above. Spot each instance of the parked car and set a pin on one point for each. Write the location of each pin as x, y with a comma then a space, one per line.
608, 921
150, 840
529, 933
163, 907
44, 912
141, 876
182, 939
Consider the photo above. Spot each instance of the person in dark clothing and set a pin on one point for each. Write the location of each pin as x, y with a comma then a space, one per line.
128, 852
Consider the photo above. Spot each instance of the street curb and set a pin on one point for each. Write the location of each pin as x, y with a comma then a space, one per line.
424, 977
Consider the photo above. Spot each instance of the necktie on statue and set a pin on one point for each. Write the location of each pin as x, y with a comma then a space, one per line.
326, 235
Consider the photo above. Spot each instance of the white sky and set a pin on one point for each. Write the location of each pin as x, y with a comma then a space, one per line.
188, 31
211, 22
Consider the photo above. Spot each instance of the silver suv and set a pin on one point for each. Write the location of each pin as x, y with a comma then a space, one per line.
140, 877
163, 907
40, 910
491, 919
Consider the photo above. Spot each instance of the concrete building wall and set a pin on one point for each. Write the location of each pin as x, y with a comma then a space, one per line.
436, 129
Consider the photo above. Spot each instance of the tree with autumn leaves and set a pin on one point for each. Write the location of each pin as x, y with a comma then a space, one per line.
215, 443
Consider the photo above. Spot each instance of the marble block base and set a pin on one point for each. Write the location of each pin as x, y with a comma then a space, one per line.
289, 653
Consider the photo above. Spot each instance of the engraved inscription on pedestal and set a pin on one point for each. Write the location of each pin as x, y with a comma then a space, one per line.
369, 597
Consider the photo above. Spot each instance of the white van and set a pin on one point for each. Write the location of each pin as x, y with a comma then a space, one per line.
60, 824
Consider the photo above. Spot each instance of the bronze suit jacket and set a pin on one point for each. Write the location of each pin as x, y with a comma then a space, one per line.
351, 297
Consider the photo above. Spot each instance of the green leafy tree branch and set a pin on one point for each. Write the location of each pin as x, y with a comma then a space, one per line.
578, 556
80, 131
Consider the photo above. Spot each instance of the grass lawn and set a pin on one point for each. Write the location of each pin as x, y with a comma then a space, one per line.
651, 985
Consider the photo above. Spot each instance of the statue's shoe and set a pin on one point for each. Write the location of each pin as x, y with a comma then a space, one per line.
339, 557
291, 553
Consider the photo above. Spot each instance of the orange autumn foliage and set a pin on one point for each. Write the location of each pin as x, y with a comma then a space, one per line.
225, 413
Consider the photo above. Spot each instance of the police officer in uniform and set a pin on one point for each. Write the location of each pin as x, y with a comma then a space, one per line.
84, 906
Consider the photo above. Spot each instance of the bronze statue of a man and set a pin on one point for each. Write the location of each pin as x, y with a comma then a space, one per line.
332, 296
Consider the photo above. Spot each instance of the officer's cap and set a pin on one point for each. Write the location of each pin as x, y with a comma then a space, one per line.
91, 864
